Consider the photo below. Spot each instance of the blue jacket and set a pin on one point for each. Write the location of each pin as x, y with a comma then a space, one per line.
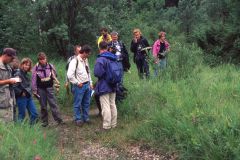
102, 87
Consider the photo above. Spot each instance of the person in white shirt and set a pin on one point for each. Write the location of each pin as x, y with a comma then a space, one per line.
79, 75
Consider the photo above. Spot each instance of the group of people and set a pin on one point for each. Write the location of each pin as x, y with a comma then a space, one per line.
18, 89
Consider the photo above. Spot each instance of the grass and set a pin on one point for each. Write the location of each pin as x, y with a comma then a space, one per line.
23, 142
190, 109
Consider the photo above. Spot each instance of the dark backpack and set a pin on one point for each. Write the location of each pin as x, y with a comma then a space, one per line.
114, 72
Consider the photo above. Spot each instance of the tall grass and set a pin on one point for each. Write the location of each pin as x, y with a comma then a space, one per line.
23, 142
190, 108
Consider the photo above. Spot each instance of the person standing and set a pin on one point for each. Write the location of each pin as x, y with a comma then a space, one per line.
138, 44
43, 75
103, 89
160, 49
7, 96
120, 50
105, 36
77, 49
23, 92
79, 75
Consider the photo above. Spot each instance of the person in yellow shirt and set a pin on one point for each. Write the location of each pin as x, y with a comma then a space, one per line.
105, 36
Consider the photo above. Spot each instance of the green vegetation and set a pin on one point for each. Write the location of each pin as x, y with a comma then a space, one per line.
23, 142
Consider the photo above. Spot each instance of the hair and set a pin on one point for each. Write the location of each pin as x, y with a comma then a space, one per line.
15, 63
136, 30
161, 33
114, 33
104, 29
85, 48
24, 61
76, 46
41, 55
103, 45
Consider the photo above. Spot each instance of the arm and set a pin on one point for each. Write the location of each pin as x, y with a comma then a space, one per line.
7, 81
99, 70
155, 49
34, 79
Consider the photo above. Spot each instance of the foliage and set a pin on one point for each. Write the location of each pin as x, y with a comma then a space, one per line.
25, 142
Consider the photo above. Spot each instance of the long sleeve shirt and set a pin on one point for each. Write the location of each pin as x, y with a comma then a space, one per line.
41, 72
78, 71
156, 47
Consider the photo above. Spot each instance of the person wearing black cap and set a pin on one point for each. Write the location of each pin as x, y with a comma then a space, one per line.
7, 96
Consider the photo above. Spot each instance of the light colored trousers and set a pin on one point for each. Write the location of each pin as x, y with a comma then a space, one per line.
109, 110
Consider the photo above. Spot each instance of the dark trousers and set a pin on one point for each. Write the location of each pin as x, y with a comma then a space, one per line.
47, 95
143, 67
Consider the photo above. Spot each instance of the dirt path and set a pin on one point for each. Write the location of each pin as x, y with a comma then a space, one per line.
77, 143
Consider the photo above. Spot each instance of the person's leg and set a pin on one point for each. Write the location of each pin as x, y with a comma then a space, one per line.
163, 63
53, 105
113, 109
86, 102
106, 112
139, 64
97, 100
22, 104
146, 68
32, 111
43, 103
77, 100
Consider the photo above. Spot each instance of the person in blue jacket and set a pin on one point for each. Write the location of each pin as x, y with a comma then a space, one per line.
104, 90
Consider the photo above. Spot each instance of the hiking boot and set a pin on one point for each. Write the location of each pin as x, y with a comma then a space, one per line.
61, 122
79, 123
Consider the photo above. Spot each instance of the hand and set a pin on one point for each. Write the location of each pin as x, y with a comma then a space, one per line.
135, 40
80, 85
12, 81
91, 86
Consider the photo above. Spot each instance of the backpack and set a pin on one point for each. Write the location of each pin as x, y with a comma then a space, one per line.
67, 65
114, 72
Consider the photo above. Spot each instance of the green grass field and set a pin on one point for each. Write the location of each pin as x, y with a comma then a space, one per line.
189, 109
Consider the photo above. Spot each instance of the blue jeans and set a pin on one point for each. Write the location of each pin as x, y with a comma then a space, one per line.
24, 103
160, 66
81, 102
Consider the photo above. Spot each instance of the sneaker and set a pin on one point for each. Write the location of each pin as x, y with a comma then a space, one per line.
79, 123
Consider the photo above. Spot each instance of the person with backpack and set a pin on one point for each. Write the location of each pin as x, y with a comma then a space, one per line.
7, 96
43, 76
160, 49
138, 46
23, 92
77, 49
79, 75
109, 73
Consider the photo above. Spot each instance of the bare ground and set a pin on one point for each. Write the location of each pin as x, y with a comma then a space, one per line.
77, 143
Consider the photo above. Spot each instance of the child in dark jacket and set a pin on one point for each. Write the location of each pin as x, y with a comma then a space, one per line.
23, 92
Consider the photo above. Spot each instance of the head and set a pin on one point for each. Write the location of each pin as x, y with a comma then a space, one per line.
162, 35
26, 64
8, 55
103, 46
137, 33
15, 63
114, 36
77, 49
85, 51
104, 32
42, 58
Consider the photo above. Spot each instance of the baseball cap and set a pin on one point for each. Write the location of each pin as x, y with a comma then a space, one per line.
10, 52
